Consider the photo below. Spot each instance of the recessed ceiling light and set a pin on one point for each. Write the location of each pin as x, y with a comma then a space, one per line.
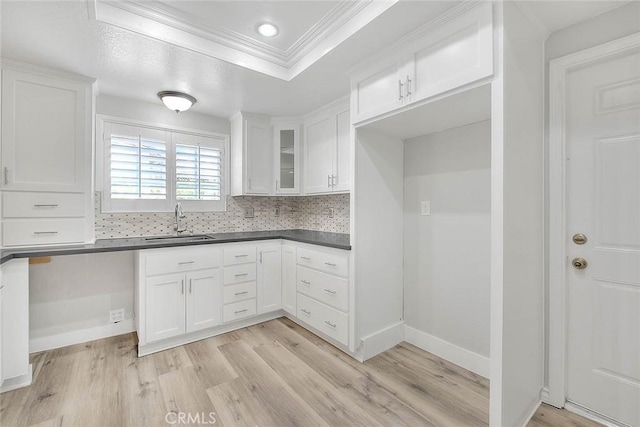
267, 29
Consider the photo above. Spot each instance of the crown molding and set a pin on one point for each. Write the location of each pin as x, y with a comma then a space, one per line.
162, 22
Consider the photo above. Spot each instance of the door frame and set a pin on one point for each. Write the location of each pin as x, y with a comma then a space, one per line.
557, 339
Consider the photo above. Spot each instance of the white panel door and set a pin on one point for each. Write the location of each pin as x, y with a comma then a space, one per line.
319, 143
165, 306
259, 156
46, 132
342, 161
269, 278
289, 279
603, 203
204, 306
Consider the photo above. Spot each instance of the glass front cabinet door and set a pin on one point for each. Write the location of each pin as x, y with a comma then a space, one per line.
286, 137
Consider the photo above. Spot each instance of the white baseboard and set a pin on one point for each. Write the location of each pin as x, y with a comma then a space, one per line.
17, 382
80, 336
591, 415
382, 340
529, 413
467, 359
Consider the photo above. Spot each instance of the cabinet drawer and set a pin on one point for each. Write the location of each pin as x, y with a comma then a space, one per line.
331, 290
239, 273
181, 259
239, 292
42, 205
42, 231
331, 263
240, 255
324, 318
239, 310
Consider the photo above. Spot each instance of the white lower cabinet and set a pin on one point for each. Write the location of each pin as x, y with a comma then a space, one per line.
269, 278
289, 279
189, 293
15, 370
323, 287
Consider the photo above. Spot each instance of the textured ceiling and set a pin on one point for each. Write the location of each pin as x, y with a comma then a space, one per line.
59, 34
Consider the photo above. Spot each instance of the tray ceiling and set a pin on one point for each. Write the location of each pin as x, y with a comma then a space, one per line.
227, 29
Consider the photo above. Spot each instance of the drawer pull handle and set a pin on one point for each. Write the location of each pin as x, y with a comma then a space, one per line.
45, 232
241, 293
45, 206
331, 291
186, 262
241, 311
306, 258
241, 274
333, 325
242, 256
305, 282
330, 264
305, 311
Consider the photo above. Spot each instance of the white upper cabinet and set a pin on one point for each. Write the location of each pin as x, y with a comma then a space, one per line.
451, 52
326, 150
251, 155
286, 139
46, 132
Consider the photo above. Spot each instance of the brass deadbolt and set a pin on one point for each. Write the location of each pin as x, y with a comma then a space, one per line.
579, 239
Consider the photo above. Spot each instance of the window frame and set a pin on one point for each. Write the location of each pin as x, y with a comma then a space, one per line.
171, 134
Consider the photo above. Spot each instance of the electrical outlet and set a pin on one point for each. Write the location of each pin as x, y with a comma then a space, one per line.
116, 316
425, 208
331, 212
277, 211
248, 212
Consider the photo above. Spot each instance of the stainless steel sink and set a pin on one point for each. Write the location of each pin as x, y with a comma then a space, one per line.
187, 238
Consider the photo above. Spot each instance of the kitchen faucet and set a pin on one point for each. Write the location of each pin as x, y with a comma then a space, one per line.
178, 228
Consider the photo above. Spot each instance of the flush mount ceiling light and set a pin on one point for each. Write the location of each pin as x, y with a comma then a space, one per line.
267, 29
176, 101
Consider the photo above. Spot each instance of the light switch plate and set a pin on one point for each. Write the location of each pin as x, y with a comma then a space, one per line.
248, 212
425, 208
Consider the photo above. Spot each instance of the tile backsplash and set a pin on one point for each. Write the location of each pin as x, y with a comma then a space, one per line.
319, 213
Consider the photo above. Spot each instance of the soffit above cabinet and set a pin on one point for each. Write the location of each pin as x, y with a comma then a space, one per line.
226, 30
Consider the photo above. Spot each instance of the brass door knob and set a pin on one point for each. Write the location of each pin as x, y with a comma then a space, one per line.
579, 263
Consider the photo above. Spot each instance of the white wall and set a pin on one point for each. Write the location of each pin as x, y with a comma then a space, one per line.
159, 114
517, 279
75, 293
612, 25
447, 254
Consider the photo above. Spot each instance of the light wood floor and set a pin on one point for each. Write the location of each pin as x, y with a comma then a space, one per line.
272, 374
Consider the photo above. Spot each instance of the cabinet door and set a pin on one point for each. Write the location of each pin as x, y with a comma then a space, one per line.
286, 138
342, 159
165, 306
455, 54
46, 132
14, 323
319, 145
269, 278
289, 279
378, 91
259, 154
204, 304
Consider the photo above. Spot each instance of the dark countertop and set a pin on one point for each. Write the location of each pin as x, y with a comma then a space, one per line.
332, 240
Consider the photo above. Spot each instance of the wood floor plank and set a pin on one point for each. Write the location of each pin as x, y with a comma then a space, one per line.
268, 388
210, 365
254, 376
356, 377
334, 405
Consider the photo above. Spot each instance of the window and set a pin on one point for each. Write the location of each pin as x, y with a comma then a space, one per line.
148, 169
